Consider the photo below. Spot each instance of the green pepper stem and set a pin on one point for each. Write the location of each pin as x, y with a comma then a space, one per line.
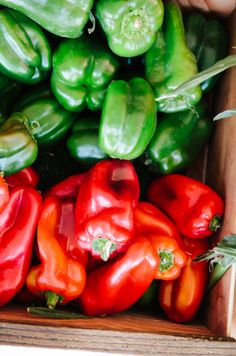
54, 314
52, 299
166, 260
215, 223
93, 20
104, 247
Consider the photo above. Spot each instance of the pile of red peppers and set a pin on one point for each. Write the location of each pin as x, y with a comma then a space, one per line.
89, 240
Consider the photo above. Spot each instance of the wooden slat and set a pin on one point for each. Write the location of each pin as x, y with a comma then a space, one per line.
221, 174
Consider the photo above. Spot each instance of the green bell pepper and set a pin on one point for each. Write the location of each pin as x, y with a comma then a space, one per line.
207, 38
178, 140
48, 120
82, 70
83, 143
64, 18
170, 63
130, 26
128, 119
25, 54
9, 91
18, 149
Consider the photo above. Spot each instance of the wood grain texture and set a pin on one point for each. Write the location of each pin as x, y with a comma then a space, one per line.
221, 174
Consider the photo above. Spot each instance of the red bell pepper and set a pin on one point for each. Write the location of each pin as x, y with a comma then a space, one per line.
68, 188
150, 222
181, 298
104, 208
18, 222
117, 285
59, 276
194, 207
27, 177
4, 194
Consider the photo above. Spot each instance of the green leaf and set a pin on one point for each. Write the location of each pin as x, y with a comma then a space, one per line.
225, 114
215, 69
104, 247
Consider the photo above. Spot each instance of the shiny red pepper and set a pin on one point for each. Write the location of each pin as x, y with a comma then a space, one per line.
18, 222
118, 284
194, 207
68, 188
4, 194
180, 299
150, 222
104, 208
59, 276
27, 177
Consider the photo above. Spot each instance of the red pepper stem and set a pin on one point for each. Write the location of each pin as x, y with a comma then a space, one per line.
52, 299
104, 247
215, 223
166, 260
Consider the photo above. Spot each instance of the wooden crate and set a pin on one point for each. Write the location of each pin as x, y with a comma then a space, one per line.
139, 333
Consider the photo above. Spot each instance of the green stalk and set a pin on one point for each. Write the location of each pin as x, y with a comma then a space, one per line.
54, 314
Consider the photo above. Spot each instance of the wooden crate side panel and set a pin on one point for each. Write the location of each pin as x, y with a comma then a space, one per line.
221, 174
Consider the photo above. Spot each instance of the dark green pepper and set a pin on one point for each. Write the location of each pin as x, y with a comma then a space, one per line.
64, 18
25, 54
18, 149
48, 120
9, 91
207, 38
170, 63
82, 70
130, 26
178, 140
128, 119
83, 143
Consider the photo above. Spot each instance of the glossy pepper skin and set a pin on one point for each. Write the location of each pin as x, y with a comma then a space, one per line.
104, 208
18, 149
178, 140
18, 222
207, 38
118, 284
48, 120
170, 62
128, 119
164, 237
26, 177
4, 194
64, 18
130, 26
59, 276
25, 54
82, 70
83, 143
194, 207
181, 298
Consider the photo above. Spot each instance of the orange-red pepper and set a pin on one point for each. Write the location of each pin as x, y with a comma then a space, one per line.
59, 276
27, 177
180, 299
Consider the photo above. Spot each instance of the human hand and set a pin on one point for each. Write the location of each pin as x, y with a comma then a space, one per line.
225, 7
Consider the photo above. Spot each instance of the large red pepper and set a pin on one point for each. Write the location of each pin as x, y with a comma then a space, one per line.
194, 207
4, 194
59, 276
117, 285
104, 208
150, 222
27, 177
18, 222
68, 188
180, 299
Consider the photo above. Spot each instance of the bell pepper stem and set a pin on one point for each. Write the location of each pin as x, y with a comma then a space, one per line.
93, 20
215, 223
52, 299
166, 260
104, 247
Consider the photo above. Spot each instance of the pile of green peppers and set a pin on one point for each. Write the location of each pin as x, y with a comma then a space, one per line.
93, 78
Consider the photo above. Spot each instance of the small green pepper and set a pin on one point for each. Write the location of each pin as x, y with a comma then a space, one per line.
178, 140
130, 26
128, 119
18, 149
207, 38
25, 54
48, 120
83, 143
169, 63
82, 70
